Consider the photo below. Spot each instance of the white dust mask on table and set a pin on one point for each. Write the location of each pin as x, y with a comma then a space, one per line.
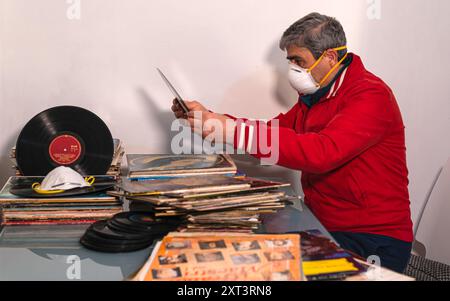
62, 178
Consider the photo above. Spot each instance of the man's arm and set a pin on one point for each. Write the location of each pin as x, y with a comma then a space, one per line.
284, 120
357, 127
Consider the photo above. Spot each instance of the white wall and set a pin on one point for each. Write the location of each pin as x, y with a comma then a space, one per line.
223, 53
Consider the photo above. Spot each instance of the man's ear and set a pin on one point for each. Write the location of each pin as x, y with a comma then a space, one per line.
332, 57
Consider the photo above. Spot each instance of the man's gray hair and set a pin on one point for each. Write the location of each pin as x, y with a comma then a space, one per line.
317, 33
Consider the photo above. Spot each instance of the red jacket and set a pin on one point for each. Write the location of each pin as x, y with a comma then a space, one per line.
351, 150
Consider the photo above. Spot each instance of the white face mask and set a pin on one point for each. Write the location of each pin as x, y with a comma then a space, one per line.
62, 178
302, 80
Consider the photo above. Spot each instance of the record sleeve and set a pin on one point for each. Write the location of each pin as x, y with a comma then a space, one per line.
179, 165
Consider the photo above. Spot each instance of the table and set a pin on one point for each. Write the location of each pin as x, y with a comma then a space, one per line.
52, 252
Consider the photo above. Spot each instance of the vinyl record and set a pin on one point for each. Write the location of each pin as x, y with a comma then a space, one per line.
97, 244
145, 219
101, 229
30, 193
156, 230
65, 136
130, 227
121, 222
25, 182
116, 226
99, 237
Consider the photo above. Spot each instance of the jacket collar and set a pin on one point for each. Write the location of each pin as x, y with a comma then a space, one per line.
354, 65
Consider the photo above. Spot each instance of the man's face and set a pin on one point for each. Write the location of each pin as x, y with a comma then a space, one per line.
302, 57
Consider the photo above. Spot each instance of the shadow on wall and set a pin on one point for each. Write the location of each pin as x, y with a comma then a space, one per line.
286, 97
283, 93
164, 119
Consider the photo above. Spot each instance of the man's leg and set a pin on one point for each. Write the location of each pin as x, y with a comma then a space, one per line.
394, 254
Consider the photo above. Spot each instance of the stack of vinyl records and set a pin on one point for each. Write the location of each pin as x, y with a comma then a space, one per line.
114, 169
20, 205
212, 200
126, 232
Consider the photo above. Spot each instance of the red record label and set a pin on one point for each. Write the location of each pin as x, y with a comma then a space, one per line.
65, 150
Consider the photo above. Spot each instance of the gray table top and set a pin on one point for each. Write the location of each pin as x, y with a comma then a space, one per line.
51, 252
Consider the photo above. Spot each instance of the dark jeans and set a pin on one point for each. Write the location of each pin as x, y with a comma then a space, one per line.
394, 253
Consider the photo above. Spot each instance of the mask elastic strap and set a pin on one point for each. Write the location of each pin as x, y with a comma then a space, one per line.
316, 63
332, 69
90, 180
37, 188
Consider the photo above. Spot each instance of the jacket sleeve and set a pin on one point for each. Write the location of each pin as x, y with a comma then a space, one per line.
283, 120
361, 123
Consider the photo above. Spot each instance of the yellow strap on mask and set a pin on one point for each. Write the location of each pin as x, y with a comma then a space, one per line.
90, 180
37, 187
332, 69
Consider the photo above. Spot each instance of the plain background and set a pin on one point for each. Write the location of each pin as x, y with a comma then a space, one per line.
223, 53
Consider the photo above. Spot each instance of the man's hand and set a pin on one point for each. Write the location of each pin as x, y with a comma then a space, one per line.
205, 123
193, 106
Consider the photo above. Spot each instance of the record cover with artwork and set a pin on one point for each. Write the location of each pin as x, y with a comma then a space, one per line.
324, 260
182, 185
255, 186
224, 257
179, 165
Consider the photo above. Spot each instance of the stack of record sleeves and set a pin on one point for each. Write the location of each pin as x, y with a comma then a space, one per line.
21, 206
204, 192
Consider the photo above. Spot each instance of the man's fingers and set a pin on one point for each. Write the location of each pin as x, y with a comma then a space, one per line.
194, 105
191, 105
191, 123
179, 115
176, 109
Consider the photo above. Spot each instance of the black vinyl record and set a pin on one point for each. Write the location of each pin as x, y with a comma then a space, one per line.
145, 219
157, 230
30, 193
89, 244
65, 136
138, 222
92, 242
95, 238
100, 238
102, 229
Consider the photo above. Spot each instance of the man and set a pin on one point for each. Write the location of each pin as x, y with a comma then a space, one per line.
345, 134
